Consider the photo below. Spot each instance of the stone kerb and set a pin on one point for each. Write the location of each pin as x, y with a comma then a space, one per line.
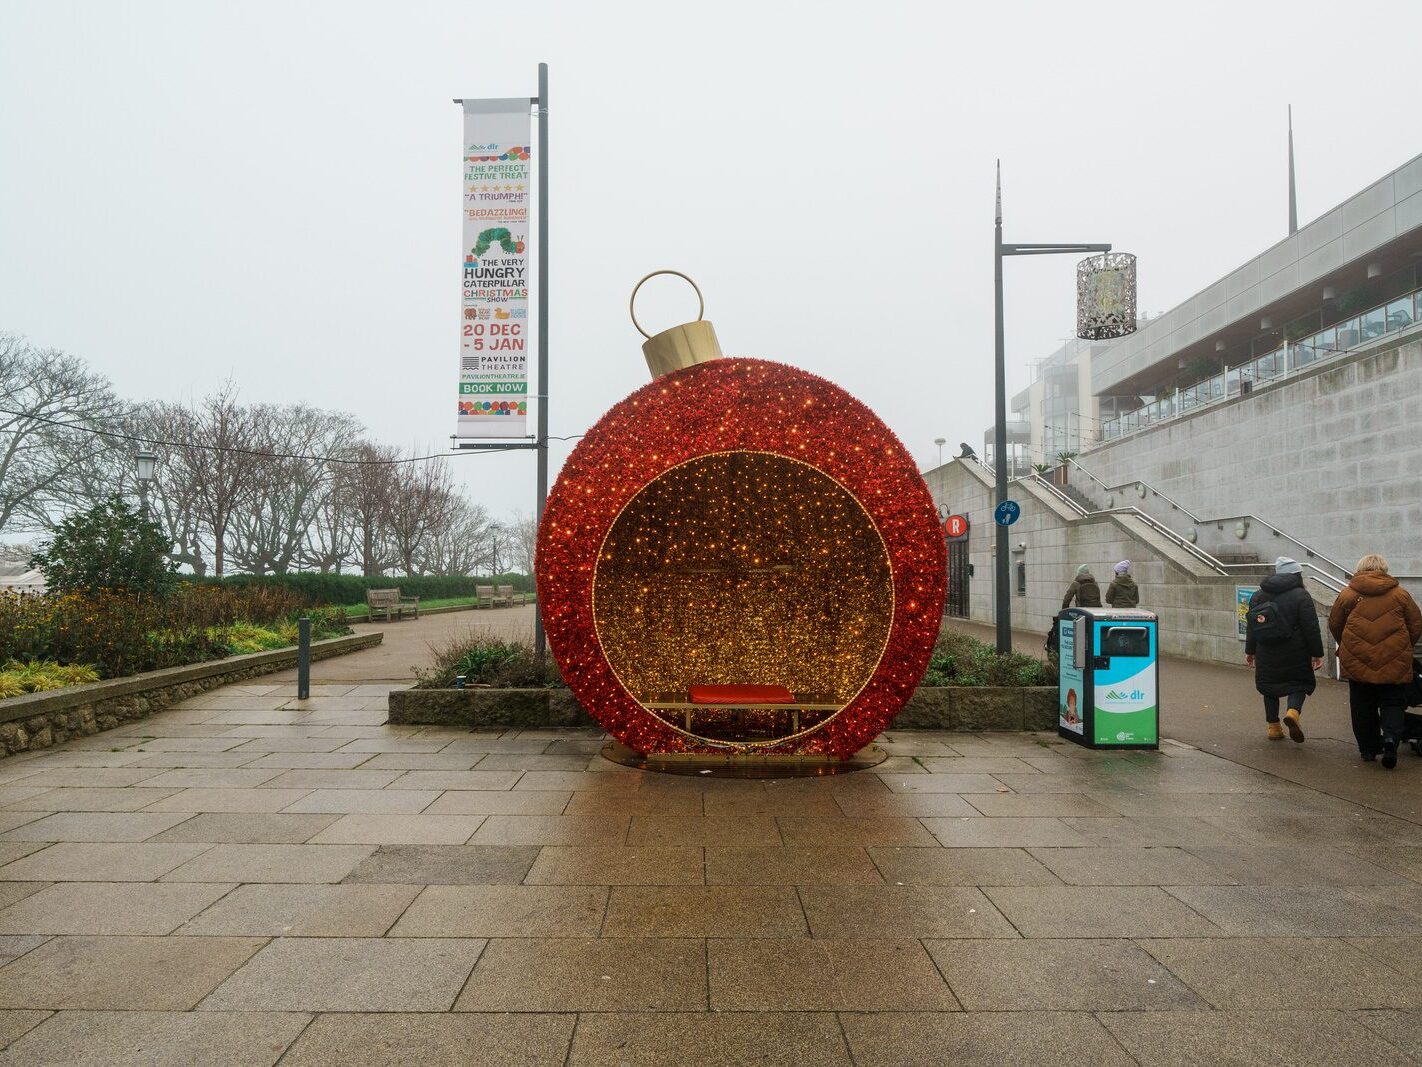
38, 720
930, 708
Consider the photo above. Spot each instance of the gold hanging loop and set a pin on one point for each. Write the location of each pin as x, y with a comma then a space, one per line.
681, 346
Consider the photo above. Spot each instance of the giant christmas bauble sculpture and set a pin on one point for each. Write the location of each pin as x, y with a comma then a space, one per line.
739, 522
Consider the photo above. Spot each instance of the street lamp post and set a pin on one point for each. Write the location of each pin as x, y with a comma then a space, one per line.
940, 442
1002, 565
147, 468
495, 529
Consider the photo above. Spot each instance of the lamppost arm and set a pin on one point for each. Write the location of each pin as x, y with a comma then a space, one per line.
1048, 250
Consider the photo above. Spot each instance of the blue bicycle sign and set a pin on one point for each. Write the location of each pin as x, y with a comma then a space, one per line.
1006, 513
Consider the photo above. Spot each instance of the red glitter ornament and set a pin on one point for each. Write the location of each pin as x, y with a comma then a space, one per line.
740, 406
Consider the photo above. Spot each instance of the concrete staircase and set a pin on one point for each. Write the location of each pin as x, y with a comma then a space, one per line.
1073, 493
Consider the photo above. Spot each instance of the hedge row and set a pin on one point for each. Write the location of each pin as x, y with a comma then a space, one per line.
316, 589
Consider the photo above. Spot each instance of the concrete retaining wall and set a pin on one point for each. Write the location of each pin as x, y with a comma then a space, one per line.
1332, 457
1195, 605
38, 720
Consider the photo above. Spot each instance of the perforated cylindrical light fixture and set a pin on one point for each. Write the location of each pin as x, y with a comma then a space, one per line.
1106, 296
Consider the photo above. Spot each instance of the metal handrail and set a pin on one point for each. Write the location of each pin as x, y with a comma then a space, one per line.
1309, 550
1134, 512
1062, 497
1328, 581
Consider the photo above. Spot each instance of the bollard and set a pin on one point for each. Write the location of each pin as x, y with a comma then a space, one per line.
303, 658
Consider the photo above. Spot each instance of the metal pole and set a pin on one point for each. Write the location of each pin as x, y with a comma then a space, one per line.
1002, 600
540, 641
303, 658
143, 497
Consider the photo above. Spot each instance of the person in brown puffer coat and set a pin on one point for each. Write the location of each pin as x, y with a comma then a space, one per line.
1376, 623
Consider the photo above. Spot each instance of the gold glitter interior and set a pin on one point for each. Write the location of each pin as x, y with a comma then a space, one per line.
743, 568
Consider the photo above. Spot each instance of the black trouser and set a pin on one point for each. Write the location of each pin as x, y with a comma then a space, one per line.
1271, 706
1378, 714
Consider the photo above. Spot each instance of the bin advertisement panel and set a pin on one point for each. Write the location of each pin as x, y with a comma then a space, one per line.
1071, 694
1124, 692
1242, 596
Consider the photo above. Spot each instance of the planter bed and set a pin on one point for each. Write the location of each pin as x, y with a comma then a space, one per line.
930, 708
38, 720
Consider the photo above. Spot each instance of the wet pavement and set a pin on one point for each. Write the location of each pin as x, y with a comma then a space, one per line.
247, 878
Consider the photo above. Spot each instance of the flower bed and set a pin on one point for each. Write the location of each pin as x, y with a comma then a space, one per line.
967, 687
1029, 708
119, 634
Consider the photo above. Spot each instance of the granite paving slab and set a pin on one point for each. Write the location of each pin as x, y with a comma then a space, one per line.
453, 1040
875, 974
606, 974
122, 973
158, 1039
348, 974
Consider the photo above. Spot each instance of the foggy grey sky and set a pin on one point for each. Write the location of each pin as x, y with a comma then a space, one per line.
270, 191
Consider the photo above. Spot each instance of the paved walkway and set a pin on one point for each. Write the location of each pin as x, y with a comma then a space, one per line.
246, 878
1214, 707
407, 644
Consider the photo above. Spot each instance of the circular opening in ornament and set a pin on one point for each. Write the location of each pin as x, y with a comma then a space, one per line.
743, 568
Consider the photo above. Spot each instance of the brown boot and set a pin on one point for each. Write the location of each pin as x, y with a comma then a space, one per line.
1291, 720
1276, 732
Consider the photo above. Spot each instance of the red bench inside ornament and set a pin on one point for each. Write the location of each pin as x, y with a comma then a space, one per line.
735, 695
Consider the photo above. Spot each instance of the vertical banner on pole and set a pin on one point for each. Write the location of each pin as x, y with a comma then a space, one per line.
493, 345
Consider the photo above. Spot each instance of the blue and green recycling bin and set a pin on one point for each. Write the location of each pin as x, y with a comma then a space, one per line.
1109, 688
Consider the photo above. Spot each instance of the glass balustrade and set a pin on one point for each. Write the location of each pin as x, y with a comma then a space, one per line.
1398, 314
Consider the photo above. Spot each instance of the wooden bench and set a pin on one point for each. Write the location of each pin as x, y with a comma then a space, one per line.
390, 602
506, 595
739, 698
483, 596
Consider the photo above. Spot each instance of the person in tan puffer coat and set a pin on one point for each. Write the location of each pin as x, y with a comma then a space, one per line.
1376, 623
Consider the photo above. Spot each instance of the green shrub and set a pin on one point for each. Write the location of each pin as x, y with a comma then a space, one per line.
123, 633
110, 547
959, 659
488, 661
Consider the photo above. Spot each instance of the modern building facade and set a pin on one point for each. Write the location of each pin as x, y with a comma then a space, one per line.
1276, 411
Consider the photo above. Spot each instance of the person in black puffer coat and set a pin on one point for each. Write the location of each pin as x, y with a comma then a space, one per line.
1284, 665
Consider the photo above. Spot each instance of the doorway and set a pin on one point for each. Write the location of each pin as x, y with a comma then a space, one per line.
956, 604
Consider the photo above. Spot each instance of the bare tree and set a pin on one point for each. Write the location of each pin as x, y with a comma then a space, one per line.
47, 443
423, 504
172, 499
367, 491
464, 543
522, 536
268, 534
216, 458
331, 536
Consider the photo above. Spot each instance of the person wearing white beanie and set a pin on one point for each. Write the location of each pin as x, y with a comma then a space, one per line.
1122, 592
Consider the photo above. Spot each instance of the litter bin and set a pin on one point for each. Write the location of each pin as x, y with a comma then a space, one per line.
1109, 681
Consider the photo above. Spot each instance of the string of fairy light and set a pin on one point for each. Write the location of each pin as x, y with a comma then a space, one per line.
746, 568
338, 459
691, 539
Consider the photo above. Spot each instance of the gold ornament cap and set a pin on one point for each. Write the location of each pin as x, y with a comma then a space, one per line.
681, 346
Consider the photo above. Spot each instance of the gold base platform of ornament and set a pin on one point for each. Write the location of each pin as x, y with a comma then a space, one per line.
749, 764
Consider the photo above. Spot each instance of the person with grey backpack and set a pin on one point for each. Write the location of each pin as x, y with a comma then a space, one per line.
1284, 645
